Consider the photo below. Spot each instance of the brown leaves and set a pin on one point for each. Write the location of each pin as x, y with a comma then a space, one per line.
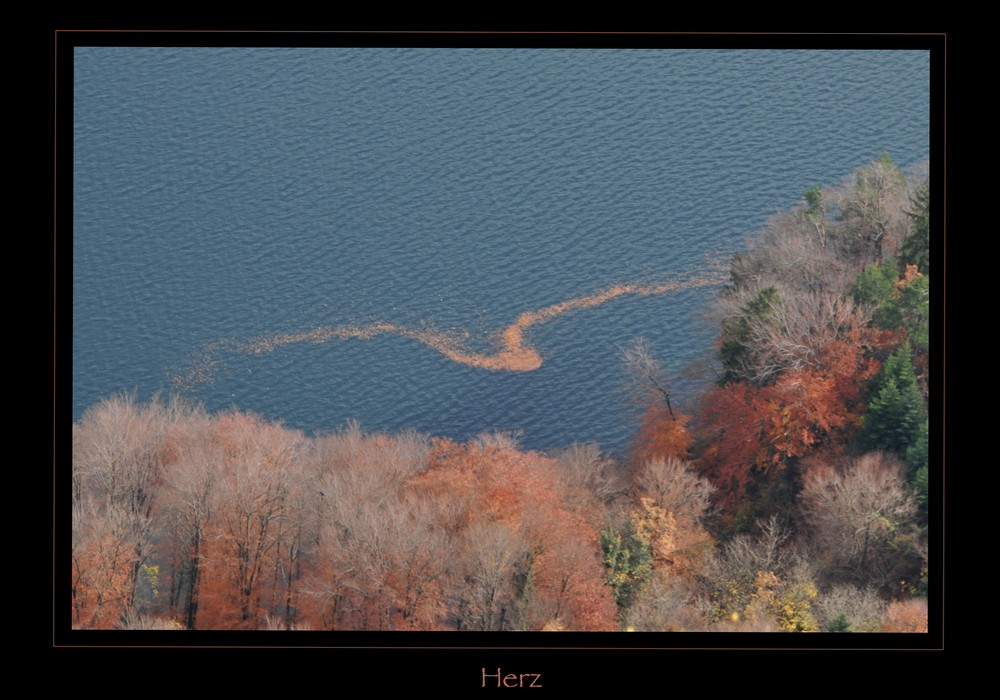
752, 430
662, 434
906, 616
671, 513
105, 553
515, 508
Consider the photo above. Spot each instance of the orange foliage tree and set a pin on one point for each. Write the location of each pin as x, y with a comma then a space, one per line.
118, 460
530, 558
380, 562
674, 503
753, 431
908, 615
250, 522
104, 563
190, 489
663, 431
662, 434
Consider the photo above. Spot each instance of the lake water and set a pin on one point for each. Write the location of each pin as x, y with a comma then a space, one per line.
320, 235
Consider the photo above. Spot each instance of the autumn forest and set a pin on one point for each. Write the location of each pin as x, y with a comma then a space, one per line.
789, 495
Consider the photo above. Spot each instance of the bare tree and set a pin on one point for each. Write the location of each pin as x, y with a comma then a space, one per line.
379, 560
676, 488
775, 329
586, 467
871, 204
369, 465
189, 503
665, 604
109, 545
646, 379
118, 458
501, 439
491, 556
761, 578
118, 451
791, 246
861, 521
254, 498
793, 280
863, 608
425, 567
768, 550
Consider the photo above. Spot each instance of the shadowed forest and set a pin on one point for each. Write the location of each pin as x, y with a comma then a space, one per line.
791, 495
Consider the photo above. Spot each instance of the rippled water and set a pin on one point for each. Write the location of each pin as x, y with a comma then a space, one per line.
232, 207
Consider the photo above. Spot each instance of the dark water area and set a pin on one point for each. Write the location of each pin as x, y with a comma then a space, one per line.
321, 235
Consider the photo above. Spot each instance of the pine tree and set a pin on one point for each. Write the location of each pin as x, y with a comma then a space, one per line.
915, 250
839, 624
895, 419
628, 563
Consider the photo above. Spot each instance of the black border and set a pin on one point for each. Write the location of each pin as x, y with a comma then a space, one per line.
436, 658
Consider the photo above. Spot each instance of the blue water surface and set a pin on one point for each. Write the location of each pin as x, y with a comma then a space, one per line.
229, 194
